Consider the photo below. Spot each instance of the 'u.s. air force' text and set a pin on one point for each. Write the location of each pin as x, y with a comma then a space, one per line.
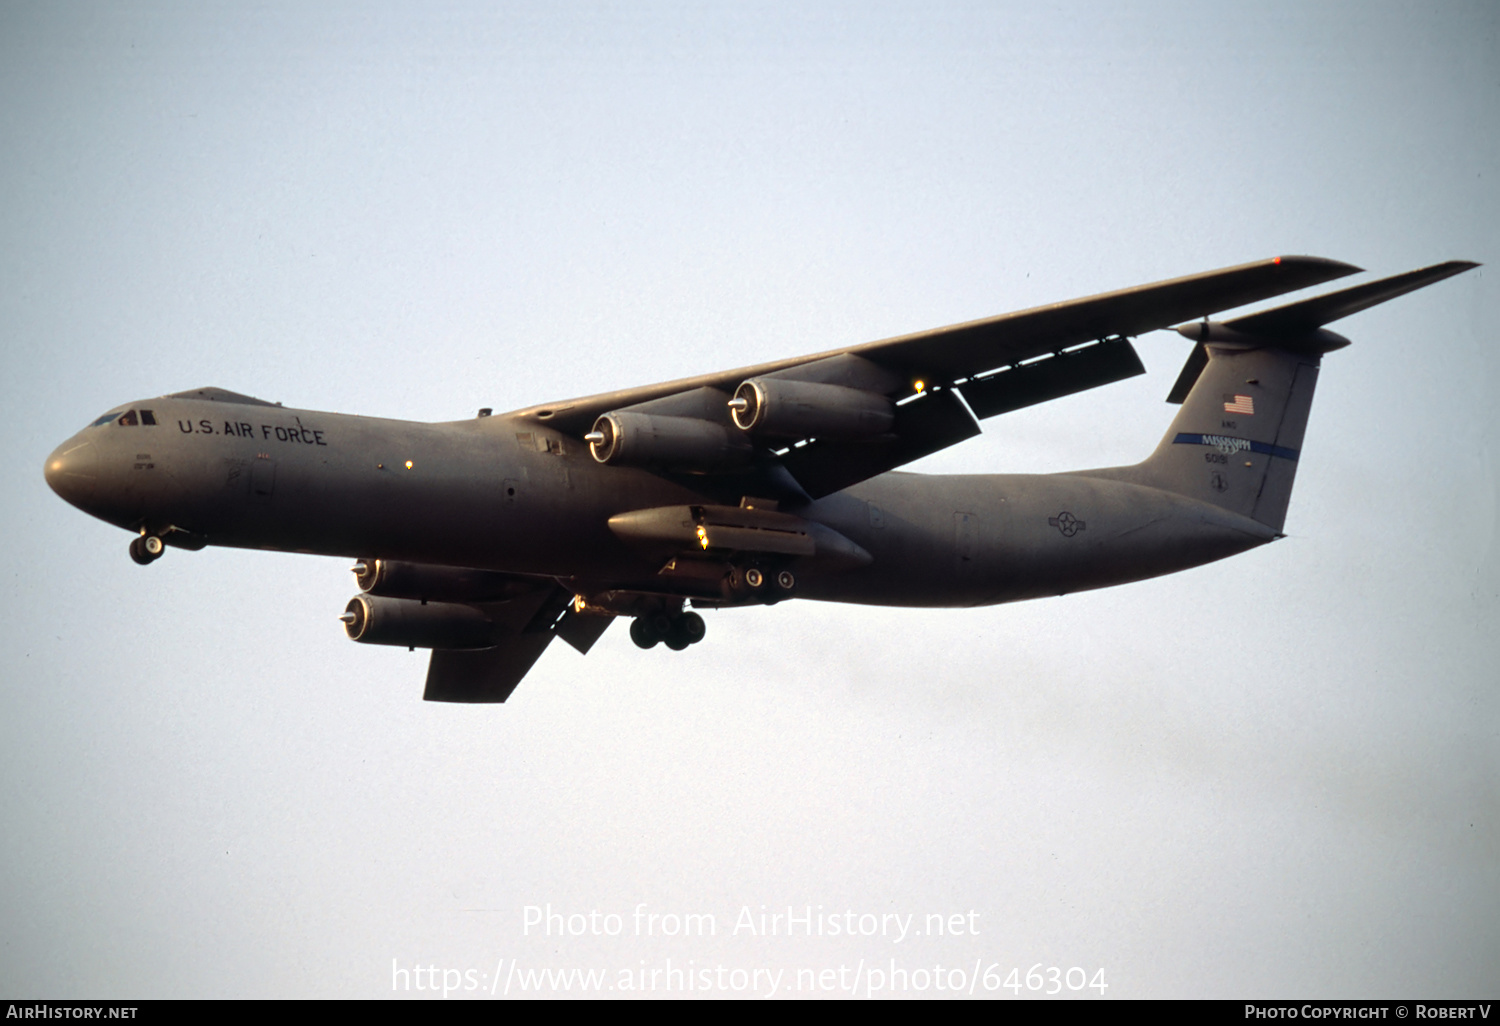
241, 429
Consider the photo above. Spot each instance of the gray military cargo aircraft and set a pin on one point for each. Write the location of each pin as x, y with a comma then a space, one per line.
484, 539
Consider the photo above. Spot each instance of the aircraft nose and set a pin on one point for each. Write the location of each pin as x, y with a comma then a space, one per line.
73, 470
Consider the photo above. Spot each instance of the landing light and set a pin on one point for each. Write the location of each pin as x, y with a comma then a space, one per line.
919, 384
408, 464
702, 536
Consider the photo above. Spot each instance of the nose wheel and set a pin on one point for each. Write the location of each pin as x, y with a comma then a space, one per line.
146, 549
678, 631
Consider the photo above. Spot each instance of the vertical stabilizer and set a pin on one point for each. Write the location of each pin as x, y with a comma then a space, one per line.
1236, 441
1246, 391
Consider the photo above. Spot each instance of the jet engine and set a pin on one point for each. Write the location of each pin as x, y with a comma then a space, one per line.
398, 621
390, 578
779, 408
626, 438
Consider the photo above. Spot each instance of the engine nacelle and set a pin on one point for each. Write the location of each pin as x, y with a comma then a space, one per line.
389, 578
397, 621
629, 439
777, 408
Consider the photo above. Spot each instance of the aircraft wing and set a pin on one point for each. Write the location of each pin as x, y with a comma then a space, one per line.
997, 364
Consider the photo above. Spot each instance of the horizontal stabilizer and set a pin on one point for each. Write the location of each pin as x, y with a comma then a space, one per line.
1297, 327
1311, 314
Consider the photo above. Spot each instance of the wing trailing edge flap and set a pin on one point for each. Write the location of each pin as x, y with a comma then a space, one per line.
933, 421
1298, 326
1052, 377
938, 419
581, 630
530, 623
967, 349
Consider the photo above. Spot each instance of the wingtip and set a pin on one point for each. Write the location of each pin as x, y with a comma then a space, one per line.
1335, 268
1446, 269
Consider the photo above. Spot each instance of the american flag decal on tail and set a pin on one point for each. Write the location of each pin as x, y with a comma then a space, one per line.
1239, 404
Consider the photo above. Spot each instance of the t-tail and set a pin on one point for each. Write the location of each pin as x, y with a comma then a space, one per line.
1246, 391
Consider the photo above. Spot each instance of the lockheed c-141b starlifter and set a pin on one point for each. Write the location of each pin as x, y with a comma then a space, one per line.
483, 539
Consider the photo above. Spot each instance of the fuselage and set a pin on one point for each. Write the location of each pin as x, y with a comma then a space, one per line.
505, 493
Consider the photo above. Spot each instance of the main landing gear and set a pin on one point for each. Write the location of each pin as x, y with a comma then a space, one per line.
657, 621
146, 549
678, 630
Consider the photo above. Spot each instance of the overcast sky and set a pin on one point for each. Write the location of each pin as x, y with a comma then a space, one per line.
1276, 775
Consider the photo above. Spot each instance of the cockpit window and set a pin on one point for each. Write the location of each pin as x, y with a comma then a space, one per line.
130, 418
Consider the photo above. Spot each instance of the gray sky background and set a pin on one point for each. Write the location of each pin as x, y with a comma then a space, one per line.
1276, 775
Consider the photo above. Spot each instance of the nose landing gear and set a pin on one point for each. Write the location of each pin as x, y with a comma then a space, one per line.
146, 549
